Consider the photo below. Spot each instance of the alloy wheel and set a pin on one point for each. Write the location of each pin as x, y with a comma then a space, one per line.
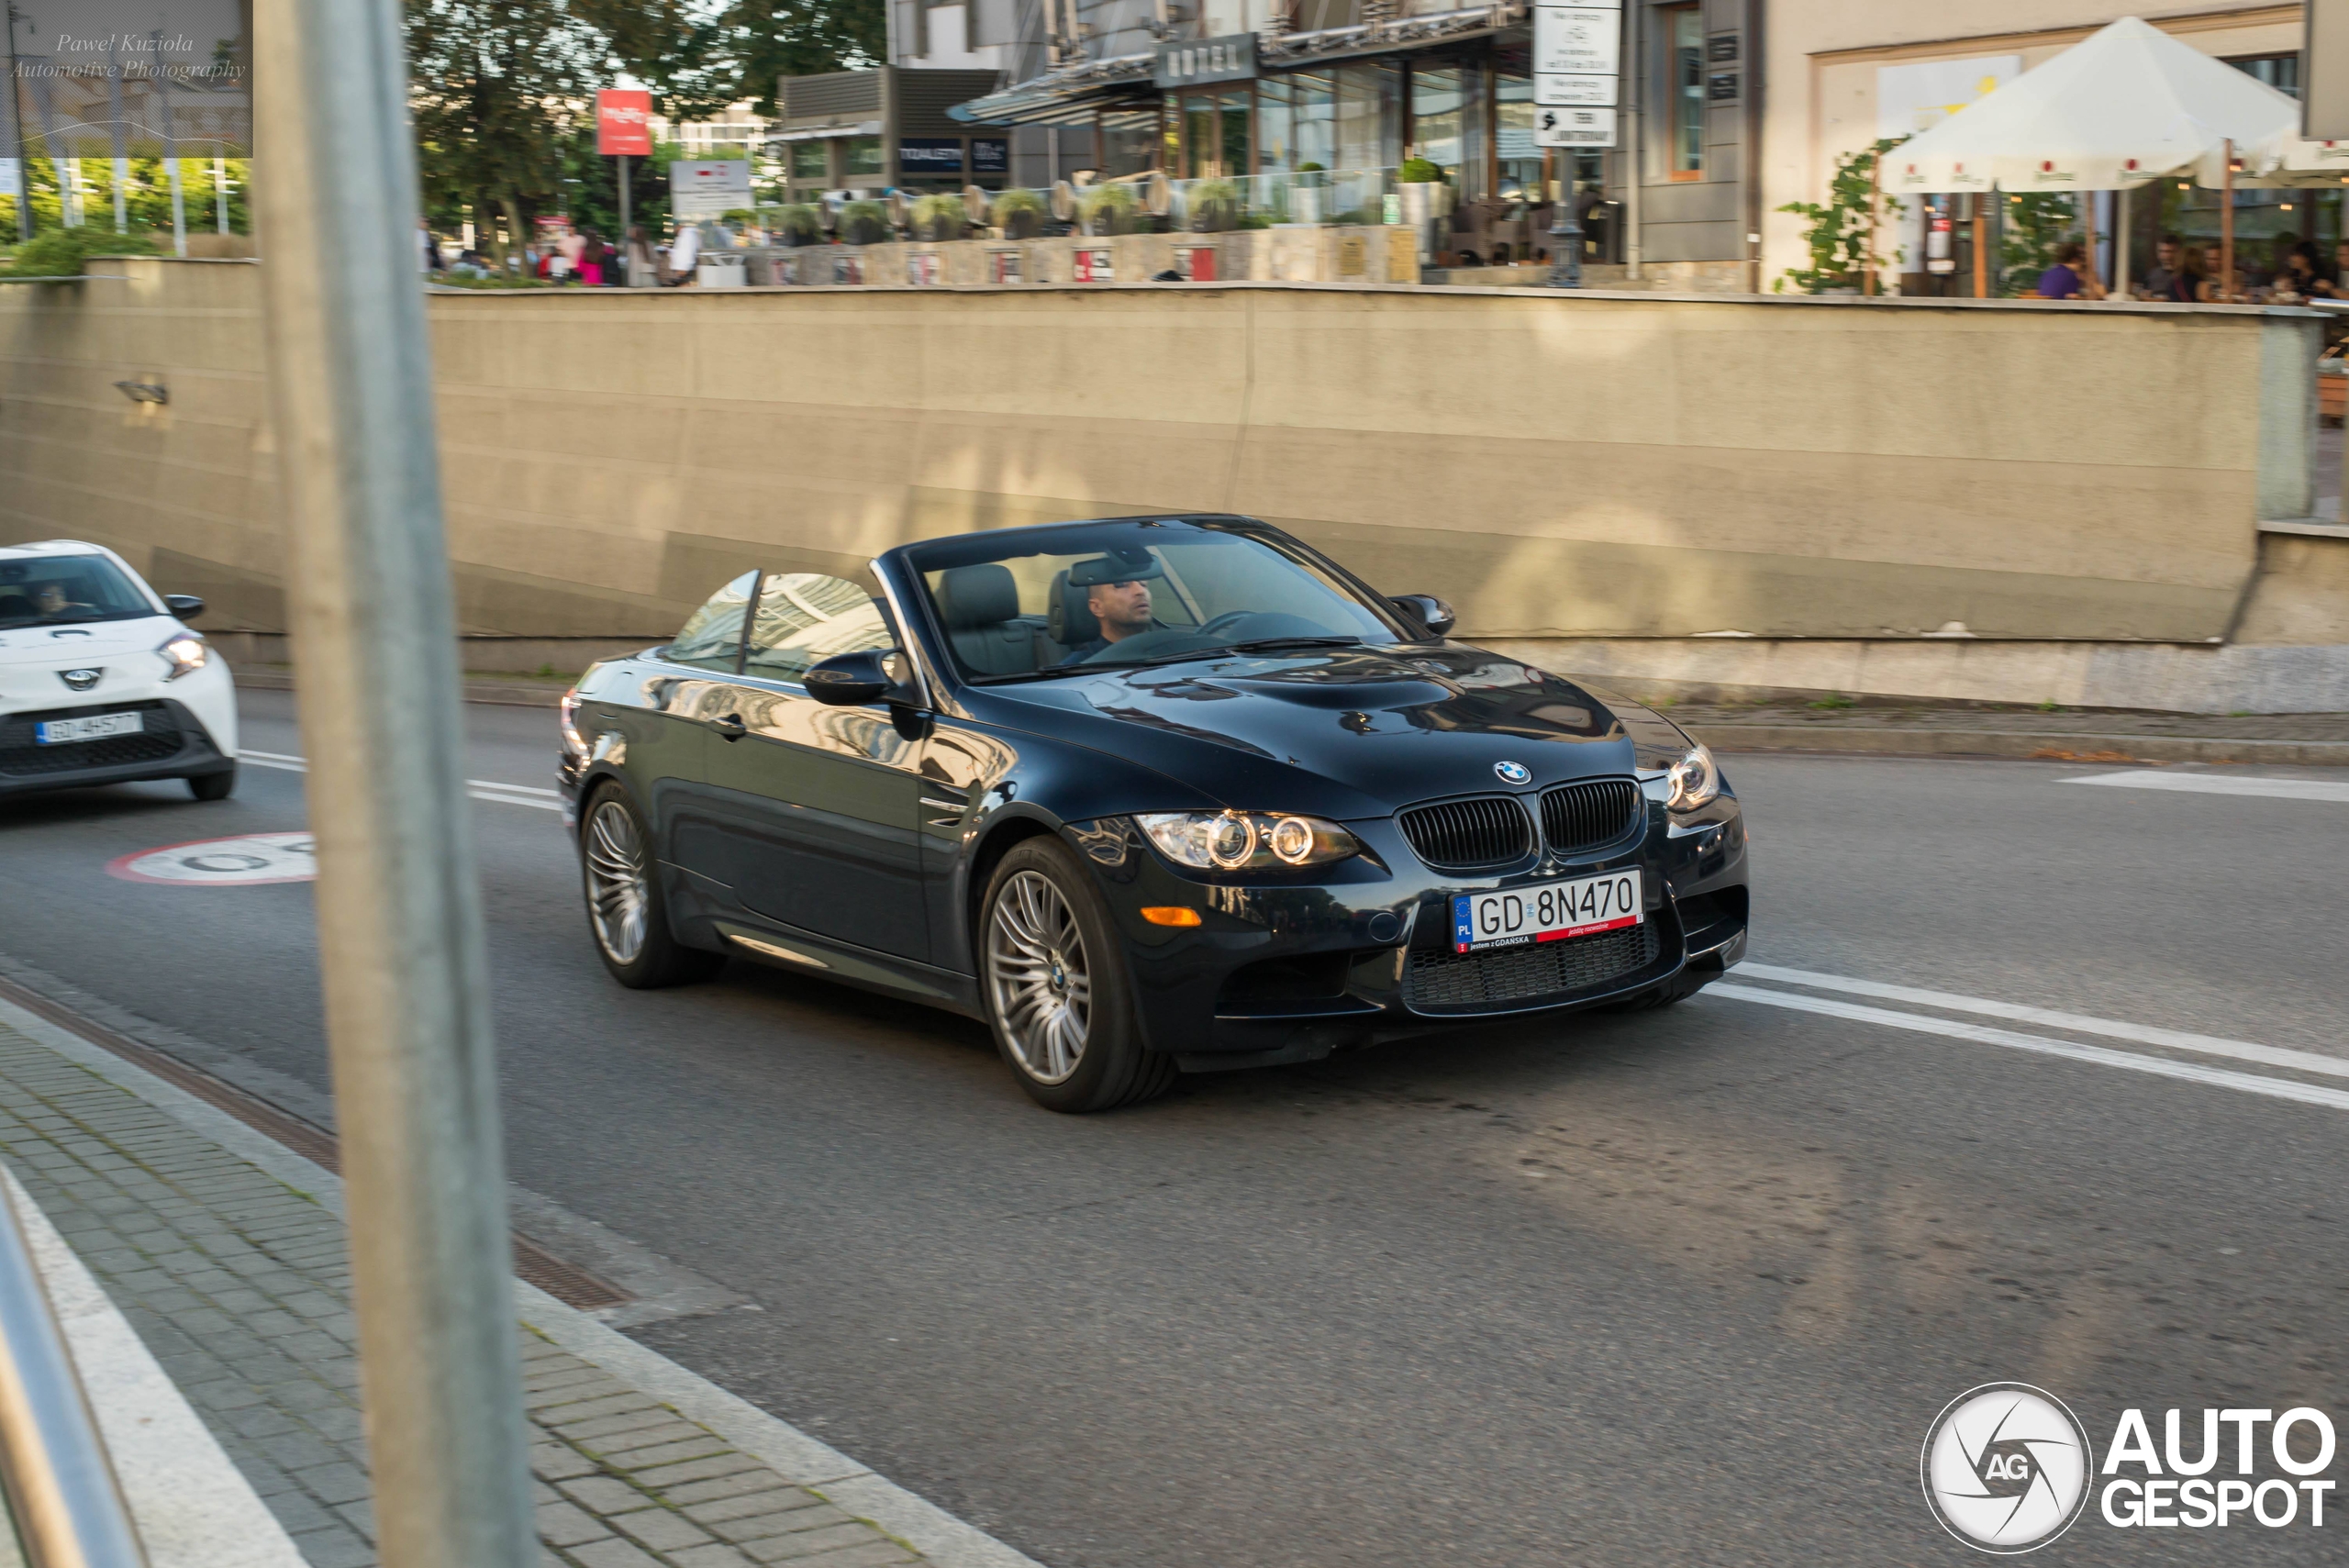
1038, 978
620, 891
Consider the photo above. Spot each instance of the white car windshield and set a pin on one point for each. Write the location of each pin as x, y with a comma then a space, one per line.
1041, 602
63, 590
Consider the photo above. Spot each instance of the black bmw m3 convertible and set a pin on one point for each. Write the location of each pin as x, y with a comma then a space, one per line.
1149, 796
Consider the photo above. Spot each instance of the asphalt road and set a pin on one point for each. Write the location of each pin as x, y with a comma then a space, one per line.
1680, 1287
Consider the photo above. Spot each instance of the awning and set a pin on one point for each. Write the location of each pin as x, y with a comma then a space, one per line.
1069, 95
861, 128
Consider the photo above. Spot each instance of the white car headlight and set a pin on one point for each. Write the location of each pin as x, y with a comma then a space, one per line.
1693, 781
1246, 841
187, 653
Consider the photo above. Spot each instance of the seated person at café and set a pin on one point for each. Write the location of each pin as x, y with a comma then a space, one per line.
2070, 277
2160, 281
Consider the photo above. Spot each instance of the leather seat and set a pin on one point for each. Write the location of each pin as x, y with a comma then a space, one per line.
1070, 620
980, 606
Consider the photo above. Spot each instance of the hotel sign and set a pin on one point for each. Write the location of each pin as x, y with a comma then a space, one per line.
1205, 60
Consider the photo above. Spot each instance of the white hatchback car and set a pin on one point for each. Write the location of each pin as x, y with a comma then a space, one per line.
101, 682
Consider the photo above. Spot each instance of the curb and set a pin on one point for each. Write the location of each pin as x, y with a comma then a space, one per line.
942, 1539
501, 693
2057, 748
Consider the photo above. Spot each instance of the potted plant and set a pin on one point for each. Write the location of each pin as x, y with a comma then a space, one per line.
864, 223
1305, 194
1424, 199
1019, 212
938, 218
1109, 209
1210, 207
798, 222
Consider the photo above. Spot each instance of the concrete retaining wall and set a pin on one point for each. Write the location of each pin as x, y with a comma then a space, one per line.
1602, 467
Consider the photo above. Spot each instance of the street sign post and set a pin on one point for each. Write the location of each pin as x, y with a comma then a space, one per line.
1577, 82
624, 130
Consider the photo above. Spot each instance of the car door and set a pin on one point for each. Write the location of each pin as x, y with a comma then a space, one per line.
667, 727
821, 805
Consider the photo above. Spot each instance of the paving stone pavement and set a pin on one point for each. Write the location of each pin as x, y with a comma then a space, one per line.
241, 1289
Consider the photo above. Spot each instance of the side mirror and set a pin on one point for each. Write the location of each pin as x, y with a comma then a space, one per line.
1427, 610
852, 680
187, 607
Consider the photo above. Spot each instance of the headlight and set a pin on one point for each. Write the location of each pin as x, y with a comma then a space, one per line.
186, 653
573, 741
1246, 841
1693, 781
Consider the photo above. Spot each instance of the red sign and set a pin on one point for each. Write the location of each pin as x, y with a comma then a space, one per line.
624, 122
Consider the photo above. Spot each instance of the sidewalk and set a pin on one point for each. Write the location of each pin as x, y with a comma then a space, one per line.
1880, 728
225, 1252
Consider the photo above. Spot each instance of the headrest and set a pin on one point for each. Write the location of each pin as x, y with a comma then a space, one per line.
1068, 619
1117, 567
978, 596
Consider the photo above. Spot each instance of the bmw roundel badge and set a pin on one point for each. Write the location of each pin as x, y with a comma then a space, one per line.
81, 680
1513, 773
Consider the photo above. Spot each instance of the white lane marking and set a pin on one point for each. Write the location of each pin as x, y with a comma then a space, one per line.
2222, 784
480, 789
2102, 1056
2081, 1023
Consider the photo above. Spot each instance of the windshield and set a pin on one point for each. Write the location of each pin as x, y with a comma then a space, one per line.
1039, 602
64, 589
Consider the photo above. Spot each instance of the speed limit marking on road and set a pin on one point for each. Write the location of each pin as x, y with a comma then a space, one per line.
245, 861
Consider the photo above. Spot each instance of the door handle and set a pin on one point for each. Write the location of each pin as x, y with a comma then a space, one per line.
730, 726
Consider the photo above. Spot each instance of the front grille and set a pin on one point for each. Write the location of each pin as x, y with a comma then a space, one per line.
1459, 835
1590, 815
20, 755
1448, 982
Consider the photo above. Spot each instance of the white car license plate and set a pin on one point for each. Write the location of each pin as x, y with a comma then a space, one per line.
97, 727
1546, 912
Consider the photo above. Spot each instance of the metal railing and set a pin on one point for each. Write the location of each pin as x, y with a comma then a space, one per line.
62, 1490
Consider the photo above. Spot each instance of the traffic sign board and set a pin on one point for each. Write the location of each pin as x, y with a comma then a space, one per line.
1577, 42
1569, 127
1575, 89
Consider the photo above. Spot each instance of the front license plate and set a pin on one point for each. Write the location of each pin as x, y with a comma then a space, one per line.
1547, 912
97, 727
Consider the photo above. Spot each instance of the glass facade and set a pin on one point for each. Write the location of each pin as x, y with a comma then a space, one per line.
811, 160
861, 155
1683, 45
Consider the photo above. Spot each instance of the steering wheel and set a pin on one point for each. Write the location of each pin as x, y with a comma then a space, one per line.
1224, 622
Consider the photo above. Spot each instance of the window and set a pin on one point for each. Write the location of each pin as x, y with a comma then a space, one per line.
1683, 53
864, 156
66, 590
811, 159
1437, 124
712, 640
2281, 71
804, 617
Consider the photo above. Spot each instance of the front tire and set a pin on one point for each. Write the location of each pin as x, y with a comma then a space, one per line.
1052, 975
213, 787
627, 915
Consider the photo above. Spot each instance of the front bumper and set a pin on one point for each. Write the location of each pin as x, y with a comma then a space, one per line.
1288, 972
174, 744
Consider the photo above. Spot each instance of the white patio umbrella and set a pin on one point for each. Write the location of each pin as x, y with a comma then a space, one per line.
2129, 105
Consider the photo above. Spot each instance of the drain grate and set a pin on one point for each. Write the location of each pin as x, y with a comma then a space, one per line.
566, 1282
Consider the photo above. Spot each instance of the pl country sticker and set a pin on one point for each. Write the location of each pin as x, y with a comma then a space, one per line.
248, 861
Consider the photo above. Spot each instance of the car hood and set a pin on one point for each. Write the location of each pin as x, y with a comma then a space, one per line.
1348, 733
63, 647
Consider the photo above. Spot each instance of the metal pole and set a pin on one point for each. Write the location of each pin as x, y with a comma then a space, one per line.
68, 1506
121, 146
624, 224
400, 930
220, 192
1565, 229
17, 134
1981, 244
2120, 249
1635, 108
2227, 226
163, 87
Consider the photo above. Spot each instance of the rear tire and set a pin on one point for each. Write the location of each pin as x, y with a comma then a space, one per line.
1053, 978
213, 787
627, 916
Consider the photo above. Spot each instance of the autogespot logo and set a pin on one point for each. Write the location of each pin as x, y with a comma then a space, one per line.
2006, 1467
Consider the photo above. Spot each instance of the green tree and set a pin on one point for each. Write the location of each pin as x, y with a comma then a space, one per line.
2036, 222
1841, 228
